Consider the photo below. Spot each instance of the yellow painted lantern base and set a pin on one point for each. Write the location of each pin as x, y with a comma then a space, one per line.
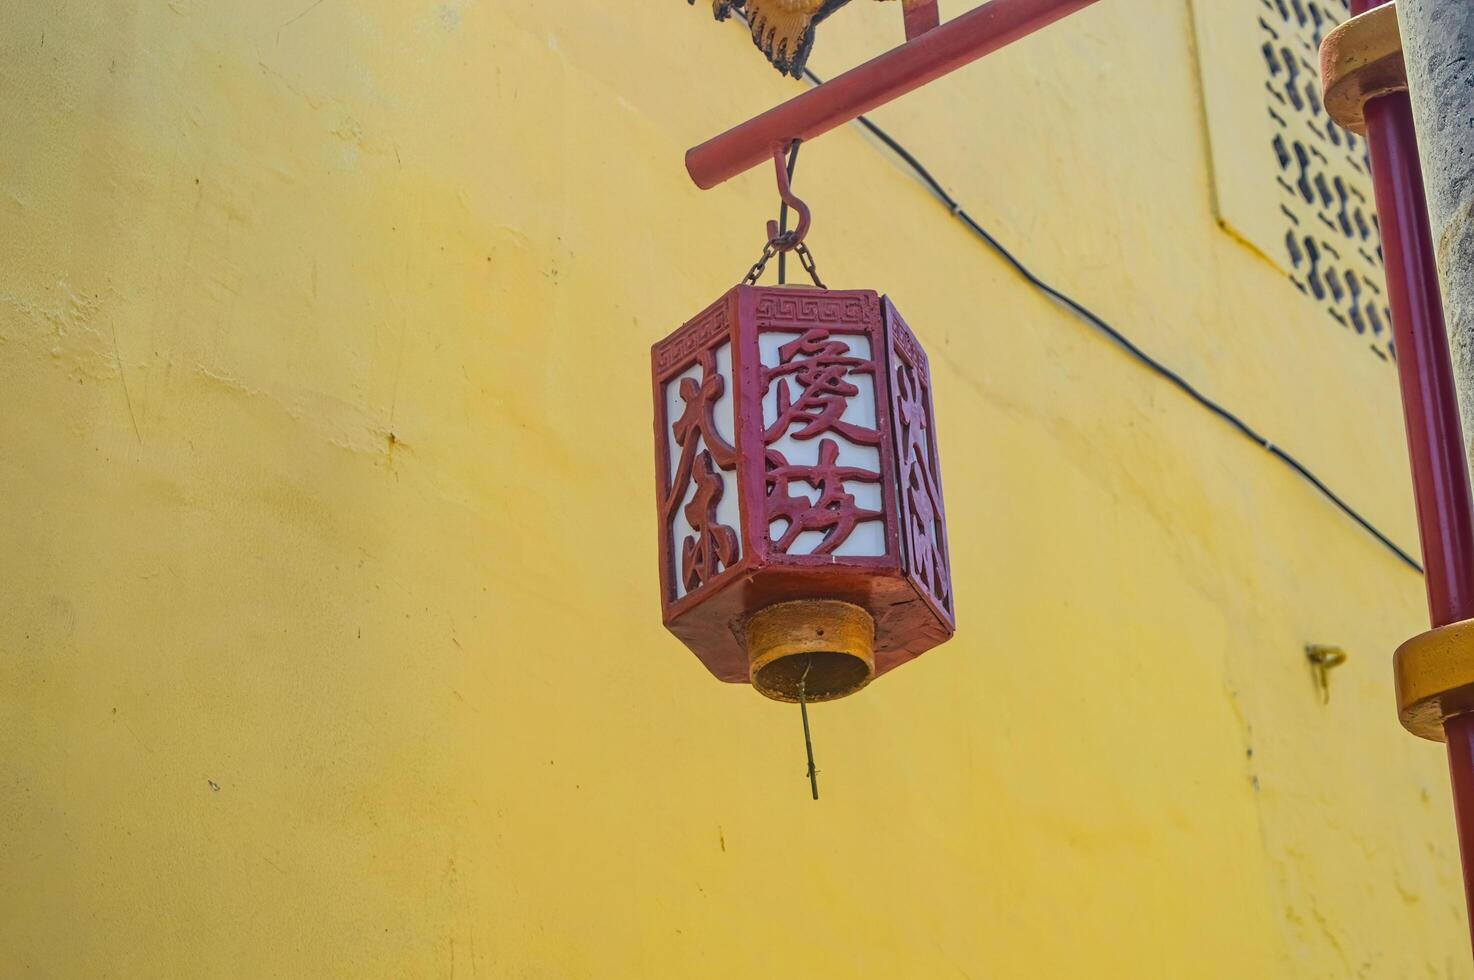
1434, 673
824, 646
1361, 60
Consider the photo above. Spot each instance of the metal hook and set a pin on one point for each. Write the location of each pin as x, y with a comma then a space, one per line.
787, 241
1323, 660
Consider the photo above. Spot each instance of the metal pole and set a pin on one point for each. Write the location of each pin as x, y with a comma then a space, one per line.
1431, 411
1459, 730
1438, 45
1430, 403
928, 57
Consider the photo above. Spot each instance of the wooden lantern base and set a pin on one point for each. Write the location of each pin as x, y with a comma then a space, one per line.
825, 645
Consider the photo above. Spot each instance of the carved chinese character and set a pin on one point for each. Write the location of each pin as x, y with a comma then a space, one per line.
922, 494
820, 366
714, 546
835, 512
696, 426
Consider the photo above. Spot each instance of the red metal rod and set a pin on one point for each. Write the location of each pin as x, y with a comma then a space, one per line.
920, 18
939, 51
1460, 733
1429, 403
1430, 410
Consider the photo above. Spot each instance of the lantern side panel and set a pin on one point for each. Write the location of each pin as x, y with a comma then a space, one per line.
696, 455
824, 442
923, 516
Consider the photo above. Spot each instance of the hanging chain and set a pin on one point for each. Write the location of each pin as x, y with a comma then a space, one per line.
805, 259
756, 272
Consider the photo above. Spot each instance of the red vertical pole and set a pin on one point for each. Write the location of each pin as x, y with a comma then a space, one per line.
1460, 733
1429, 401
1430, 410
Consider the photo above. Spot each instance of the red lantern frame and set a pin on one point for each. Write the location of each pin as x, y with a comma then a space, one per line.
907, 588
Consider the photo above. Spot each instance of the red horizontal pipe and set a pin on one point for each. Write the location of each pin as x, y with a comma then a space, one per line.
939, 51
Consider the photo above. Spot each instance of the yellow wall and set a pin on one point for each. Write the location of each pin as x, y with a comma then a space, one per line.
329, 635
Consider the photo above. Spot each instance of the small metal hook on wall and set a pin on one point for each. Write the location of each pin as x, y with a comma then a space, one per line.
1323, 659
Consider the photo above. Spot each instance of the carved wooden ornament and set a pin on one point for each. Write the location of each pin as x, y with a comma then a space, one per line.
784, 29
802, 535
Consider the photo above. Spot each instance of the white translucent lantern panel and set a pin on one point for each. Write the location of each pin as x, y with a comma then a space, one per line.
724, 424
867, 537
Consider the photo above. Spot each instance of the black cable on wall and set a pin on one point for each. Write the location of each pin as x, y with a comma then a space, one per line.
1125, 343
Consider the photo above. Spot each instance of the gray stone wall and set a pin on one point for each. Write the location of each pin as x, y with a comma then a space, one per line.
1438, 41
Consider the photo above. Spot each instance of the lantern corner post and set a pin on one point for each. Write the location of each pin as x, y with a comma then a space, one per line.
1366, 83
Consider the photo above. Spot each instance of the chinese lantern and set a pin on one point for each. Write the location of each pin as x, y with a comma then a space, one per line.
803, 544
